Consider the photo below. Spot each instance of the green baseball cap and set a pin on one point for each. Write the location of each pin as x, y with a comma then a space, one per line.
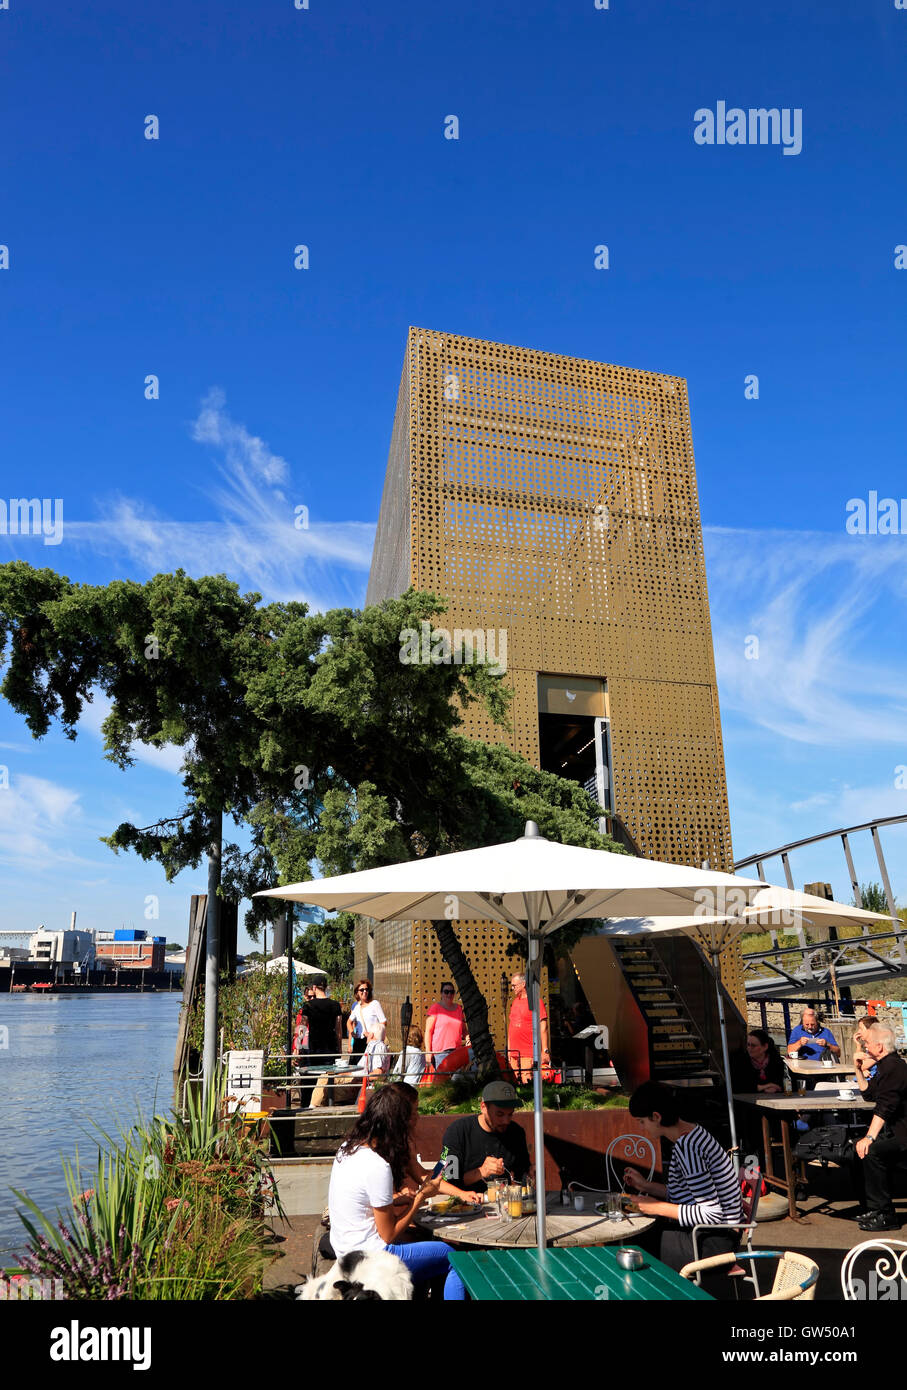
500, 1093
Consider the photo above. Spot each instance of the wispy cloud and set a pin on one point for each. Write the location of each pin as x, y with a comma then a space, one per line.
258, 531
38, 819
826, 611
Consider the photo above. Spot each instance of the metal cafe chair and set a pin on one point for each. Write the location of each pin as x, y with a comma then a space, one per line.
752, 1191
795, 1277
635, 1147
889, 1267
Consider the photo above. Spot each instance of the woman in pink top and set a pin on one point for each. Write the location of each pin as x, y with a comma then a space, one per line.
445, 1027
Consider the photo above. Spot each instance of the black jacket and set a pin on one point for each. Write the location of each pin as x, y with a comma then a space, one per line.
888, 1092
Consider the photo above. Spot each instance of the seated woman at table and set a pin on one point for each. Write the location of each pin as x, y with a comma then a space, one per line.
702, 1187
370, 1164
760, 1067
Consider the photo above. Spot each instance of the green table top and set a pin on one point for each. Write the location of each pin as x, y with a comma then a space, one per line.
587, 1274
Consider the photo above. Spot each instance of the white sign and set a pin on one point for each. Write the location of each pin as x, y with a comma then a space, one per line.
245, 1071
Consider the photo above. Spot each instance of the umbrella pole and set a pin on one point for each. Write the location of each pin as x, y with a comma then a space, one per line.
534, 983
722, 1024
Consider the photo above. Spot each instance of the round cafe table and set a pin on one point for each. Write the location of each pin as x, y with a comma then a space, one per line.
564, 1226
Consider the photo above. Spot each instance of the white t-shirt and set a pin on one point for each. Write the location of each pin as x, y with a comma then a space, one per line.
367, 1017
359, 1181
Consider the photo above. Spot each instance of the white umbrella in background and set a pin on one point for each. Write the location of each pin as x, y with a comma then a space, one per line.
279, 965
770, 907
534, 886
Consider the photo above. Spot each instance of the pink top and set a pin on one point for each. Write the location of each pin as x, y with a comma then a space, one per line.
449, 1027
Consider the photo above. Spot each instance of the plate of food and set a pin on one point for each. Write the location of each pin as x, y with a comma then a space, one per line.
448, 1206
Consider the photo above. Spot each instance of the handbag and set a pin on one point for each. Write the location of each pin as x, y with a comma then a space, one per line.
830, 1144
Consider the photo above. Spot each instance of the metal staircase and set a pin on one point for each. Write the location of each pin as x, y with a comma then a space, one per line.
677, 1049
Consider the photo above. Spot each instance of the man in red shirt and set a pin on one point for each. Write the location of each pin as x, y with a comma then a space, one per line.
519, 1034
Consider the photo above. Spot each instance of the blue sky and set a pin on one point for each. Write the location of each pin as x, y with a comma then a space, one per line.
325, 127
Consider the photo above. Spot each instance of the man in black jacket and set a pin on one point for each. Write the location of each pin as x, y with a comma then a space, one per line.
885, 1141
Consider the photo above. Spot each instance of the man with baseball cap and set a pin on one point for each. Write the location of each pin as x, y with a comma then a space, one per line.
490, 1145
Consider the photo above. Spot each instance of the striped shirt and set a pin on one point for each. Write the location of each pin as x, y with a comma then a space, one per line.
702, 1181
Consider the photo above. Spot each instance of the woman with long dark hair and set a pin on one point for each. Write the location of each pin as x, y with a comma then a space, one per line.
371, 1164
760, 1068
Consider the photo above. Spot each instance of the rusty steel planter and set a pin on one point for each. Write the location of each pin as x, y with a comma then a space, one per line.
575, 1141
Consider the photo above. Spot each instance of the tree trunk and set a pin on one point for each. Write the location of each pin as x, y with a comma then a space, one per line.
473, 1001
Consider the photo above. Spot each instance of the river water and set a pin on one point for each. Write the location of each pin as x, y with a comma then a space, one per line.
69, 1062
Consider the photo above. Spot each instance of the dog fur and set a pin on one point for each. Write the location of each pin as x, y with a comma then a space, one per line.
361, 1274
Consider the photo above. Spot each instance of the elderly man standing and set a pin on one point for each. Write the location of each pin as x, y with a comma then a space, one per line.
519, 1032
885, 1142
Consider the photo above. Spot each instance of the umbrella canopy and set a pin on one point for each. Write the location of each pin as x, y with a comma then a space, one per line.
772, 908
530, 884
534, 886
279, 965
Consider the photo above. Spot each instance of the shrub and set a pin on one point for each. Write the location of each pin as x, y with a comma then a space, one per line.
176, 1212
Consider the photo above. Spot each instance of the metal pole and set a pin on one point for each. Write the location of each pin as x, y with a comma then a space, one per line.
290, 993
722, 1024
212, 952
877, 844
406, 1019
532, 985
854, 881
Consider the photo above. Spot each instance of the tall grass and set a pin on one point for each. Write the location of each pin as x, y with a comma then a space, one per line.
175, 1210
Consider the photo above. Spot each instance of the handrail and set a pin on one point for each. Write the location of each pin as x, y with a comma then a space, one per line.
815, 839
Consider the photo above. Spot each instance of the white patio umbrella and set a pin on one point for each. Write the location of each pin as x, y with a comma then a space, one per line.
715, 934
279, 966
533, 886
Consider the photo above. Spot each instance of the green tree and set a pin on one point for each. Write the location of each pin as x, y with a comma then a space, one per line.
328, 945
174, 657
872, 898
307, 728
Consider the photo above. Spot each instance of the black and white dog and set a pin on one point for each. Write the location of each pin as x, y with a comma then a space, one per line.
361, 1274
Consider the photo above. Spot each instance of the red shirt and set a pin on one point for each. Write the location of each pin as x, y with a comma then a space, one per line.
519, 1036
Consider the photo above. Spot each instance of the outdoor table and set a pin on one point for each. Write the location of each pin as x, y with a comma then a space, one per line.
810, 1070
568, 1275
564, 1227
786, 1107
807, 1067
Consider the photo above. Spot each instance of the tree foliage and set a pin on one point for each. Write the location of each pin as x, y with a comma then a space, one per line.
307, 729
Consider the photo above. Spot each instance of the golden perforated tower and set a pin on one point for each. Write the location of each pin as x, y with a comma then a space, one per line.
554, 500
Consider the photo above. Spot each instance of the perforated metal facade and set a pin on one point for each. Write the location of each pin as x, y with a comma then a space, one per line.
554, 500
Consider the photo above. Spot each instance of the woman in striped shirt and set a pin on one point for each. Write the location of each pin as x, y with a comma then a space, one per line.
702, 1189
